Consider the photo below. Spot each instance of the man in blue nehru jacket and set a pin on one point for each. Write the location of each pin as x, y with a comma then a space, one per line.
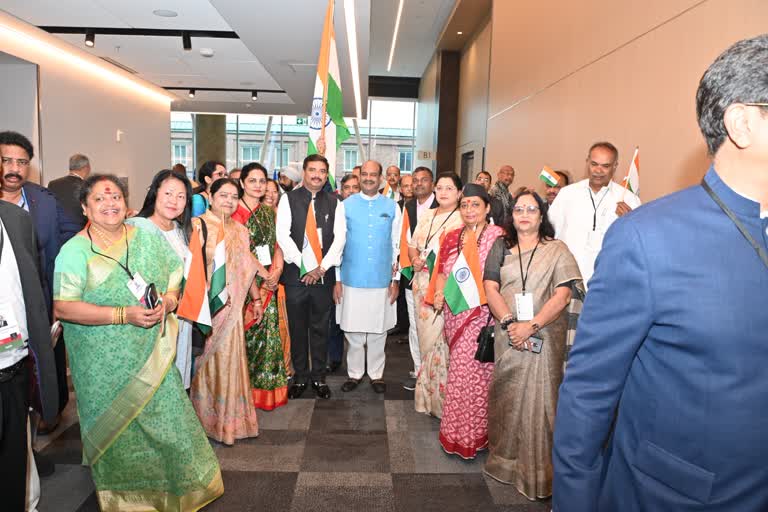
368, 290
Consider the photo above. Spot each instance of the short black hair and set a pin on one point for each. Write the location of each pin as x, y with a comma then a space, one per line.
206, 171
565, 177
316, 158
148, 209
216, 185
738, 75
93, 179
451, 176
9, 138
605, 145
421, 168
348, 177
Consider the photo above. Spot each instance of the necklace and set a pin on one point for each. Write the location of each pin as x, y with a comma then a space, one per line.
464, 230
105, 239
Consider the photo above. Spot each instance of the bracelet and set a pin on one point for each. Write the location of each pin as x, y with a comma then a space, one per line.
508, 316
118, 315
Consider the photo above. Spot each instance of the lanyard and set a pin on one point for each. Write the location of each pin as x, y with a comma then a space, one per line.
520, 260
124, 267
431, 235
760, 251
23, 200
594, 217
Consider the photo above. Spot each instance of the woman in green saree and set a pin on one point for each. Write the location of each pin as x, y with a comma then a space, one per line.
141, 437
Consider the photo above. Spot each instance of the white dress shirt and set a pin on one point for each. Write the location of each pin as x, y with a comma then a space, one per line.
12, 298
421, 208
292, 254
582, 225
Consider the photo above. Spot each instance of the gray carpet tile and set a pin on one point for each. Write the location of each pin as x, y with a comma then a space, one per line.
344, 492
91, 504
402, 417
507, 495
420, 452
441, 493
346, 453
67, 489
349, 416
66, 448
295, 415
273, 450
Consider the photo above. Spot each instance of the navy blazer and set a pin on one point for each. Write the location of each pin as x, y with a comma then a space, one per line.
672, 344
52, 227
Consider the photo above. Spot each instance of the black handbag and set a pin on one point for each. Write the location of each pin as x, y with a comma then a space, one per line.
485, 352
198, 337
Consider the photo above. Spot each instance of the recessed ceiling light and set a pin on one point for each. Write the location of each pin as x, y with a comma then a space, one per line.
165, 13
459, 33
206, 52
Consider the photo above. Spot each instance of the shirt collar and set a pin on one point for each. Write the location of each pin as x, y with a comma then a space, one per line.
368, 198
735, 201
428, 202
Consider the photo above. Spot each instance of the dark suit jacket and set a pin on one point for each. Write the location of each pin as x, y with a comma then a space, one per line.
672, 344
410, 207
497, 212
21, 234
52, 227
67, 191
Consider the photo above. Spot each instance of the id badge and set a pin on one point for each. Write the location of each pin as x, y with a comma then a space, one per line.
262, 254
524, 305
594, 240
137, 286
10, 332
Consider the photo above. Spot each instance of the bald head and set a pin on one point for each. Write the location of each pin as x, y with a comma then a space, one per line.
393, 176
506, 175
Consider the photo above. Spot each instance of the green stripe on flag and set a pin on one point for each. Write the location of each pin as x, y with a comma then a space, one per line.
218, 288
453, 296
407, 272
431, 257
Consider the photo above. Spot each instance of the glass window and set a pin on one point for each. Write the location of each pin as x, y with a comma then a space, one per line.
249, 153
405, 157
350, 159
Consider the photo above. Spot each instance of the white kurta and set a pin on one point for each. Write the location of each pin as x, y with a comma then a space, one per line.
573, 215
366, 310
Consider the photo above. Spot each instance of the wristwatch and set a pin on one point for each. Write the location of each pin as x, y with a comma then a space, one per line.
536, 327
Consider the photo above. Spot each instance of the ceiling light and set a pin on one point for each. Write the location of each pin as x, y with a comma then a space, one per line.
186, 41
255, 95
165, 13
394, 35
349, 18
90, 38
191, 93
459, 32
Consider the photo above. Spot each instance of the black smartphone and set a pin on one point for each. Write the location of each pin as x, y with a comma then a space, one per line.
150, 296
536, 344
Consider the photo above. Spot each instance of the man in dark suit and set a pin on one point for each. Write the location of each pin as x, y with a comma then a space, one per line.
52, 226
424, 200
671, 344
67, 188
25, 343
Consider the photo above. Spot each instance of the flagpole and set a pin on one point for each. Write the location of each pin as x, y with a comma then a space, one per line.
626, 179
329, 20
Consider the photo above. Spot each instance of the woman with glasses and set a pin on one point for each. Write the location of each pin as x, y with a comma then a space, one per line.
529, 278
423, 250
464, 425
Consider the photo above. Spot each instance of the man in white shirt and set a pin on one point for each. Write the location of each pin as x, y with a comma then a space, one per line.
306, 277
392, 184
25, 332
369, 284
582, 213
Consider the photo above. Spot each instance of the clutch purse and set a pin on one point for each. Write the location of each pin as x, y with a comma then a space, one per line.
485, 352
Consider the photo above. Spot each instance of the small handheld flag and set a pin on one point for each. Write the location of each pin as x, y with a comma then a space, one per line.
547, 175
464, 286
218, 294
632, 180
406, 267
194, 305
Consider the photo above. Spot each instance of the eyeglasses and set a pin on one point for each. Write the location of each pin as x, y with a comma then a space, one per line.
519, 210
756, 104
21, 162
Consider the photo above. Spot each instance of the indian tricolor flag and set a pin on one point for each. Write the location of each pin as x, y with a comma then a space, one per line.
406, 267
547, 175
218, 294
388, 192
464, 287
311, 252
632, 180
193, 305
327, 117
433, 264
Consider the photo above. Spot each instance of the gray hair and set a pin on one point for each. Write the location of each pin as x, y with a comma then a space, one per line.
78, 161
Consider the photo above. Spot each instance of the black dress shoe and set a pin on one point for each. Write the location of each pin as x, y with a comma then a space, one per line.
296, 390
45, 466
350, 384
378, 386
321, 390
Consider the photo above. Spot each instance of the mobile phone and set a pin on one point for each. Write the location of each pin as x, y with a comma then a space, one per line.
536, 344
150, 296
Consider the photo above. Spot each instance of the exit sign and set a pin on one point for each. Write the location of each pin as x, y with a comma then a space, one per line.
301, 120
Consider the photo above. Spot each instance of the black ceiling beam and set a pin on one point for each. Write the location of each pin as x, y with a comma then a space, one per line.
157, 32
222, 89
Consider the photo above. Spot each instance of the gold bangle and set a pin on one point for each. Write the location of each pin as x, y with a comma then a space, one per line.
122, 315
114, 316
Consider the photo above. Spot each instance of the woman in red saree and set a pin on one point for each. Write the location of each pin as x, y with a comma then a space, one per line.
464, 424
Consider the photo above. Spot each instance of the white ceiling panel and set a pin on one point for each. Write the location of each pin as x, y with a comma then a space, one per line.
192, 14
68, 13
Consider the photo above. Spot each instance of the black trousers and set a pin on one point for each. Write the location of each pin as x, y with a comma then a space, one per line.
60, 353
13, 441
309, 308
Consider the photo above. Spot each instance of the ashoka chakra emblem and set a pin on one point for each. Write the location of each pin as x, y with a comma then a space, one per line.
462, 274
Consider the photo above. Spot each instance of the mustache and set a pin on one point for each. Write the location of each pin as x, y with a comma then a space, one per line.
12, 175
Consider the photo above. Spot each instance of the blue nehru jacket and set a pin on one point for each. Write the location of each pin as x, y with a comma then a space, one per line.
367, 261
